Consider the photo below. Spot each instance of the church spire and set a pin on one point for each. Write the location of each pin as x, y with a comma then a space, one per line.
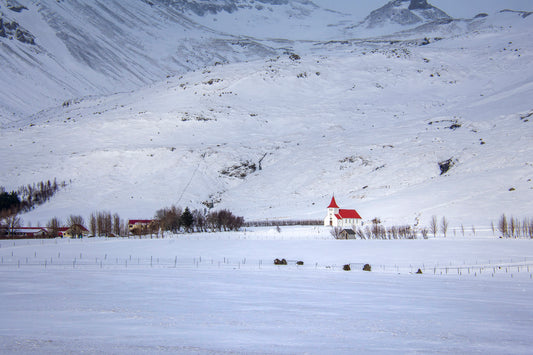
333, 204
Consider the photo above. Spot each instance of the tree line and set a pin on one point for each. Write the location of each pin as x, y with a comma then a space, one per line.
27, 197
375, 230
514, 228
174, 219
106, 224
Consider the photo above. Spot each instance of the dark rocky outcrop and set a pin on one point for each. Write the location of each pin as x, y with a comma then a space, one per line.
12, 30
446, 165
419, 5
17, 8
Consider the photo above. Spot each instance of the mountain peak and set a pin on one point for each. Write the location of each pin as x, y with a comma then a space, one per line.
404, 13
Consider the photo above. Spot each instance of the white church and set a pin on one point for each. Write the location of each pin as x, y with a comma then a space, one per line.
343, 218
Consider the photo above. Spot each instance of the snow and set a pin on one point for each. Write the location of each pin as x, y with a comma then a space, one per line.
221, 293
143, 107
373, 136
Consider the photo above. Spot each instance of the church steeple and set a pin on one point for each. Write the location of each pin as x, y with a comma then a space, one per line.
333, 204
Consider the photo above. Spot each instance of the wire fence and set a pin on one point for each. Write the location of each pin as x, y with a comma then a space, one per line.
511, 268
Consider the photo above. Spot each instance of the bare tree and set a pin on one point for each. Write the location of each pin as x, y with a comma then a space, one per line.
107, 223
169, 219
11, 221
518, 227
360, 233
512, 227
117, 225
72, 220
375, 227
444, 226
199, 218
524, 227
93, 225
433, 226
394, 231
503, 226
53, 227
336, 232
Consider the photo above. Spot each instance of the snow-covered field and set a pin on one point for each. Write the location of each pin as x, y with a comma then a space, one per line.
221, 293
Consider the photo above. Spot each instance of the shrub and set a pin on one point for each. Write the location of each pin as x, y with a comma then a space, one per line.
280, 262
346, 267
299, 263
367, 267
336, 232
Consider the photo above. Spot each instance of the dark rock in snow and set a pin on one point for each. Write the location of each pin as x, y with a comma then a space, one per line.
419, 5
17, 8
11, 29
445, 166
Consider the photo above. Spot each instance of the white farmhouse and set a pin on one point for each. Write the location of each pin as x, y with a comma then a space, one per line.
338, 217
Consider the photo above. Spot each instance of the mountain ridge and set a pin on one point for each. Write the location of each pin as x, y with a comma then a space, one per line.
84, 48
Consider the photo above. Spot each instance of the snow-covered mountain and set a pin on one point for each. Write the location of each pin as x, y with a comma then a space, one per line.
400, 15
78, 48
59, 50
263, 132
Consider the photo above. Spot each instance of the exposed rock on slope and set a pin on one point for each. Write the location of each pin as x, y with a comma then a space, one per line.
12, 30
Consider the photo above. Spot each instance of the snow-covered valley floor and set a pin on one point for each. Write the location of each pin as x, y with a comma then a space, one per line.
221, 293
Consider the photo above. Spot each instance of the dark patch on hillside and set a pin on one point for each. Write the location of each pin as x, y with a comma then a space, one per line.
446, 165
240, 171
12, 30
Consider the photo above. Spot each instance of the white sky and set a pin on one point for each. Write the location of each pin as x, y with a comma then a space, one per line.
454, 8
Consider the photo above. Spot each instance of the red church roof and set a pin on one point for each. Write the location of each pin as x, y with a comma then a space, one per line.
347, 214
333, 204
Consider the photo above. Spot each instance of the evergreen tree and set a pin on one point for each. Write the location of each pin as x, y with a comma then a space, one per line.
187, 219
9, 201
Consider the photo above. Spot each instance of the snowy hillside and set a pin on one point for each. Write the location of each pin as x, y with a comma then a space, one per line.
78, 48
274, 138
282, 20
54, 51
